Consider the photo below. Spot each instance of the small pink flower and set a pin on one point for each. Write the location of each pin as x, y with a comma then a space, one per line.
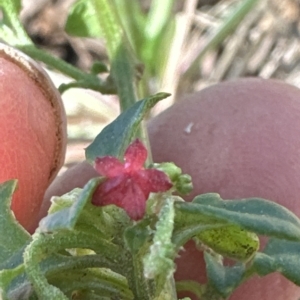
128, 184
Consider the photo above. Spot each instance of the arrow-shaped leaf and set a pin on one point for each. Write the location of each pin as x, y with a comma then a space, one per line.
115, 137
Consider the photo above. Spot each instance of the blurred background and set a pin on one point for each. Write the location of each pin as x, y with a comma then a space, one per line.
184, 45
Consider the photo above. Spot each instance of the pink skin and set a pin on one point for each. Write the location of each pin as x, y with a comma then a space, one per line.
240, 139
32, 132
244, 142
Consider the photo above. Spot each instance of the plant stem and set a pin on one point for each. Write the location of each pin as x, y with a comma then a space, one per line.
123, 62
45, 244
16, 36
124, 65
52, 61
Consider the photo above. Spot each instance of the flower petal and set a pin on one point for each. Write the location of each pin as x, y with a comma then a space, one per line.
108, 166
159, 181
152, 180
142, 179
122, 192
135, 156
134, 201
110, 191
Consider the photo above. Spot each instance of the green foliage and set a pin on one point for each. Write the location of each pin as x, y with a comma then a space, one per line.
159, 262
279, 255
230, 241
85, 252
115, 137
145, 32
220, 278
10, 25
76, 236
256, 215
221, 234
66, 218
157, 22
133, 20
11, 6
98, 67
13, 33
82, 20
222, 226
12, 236
182, 182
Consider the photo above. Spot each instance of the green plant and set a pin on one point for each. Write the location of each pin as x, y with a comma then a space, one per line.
86, 251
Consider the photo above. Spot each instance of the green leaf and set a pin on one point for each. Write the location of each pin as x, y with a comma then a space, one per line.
182, 182
11, 29
133, 20
223, 224
14, 5
19, 291
231, 241
115, 137
254, 214
45, 244
68, 217
158, 16
102, 281
137, 236
157, 25
82, 20
15, 284
162, 251
110, 221
223, 279
159, 262
15, 260
227, 239
11, 8
13, 236
99, 67
279, 256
